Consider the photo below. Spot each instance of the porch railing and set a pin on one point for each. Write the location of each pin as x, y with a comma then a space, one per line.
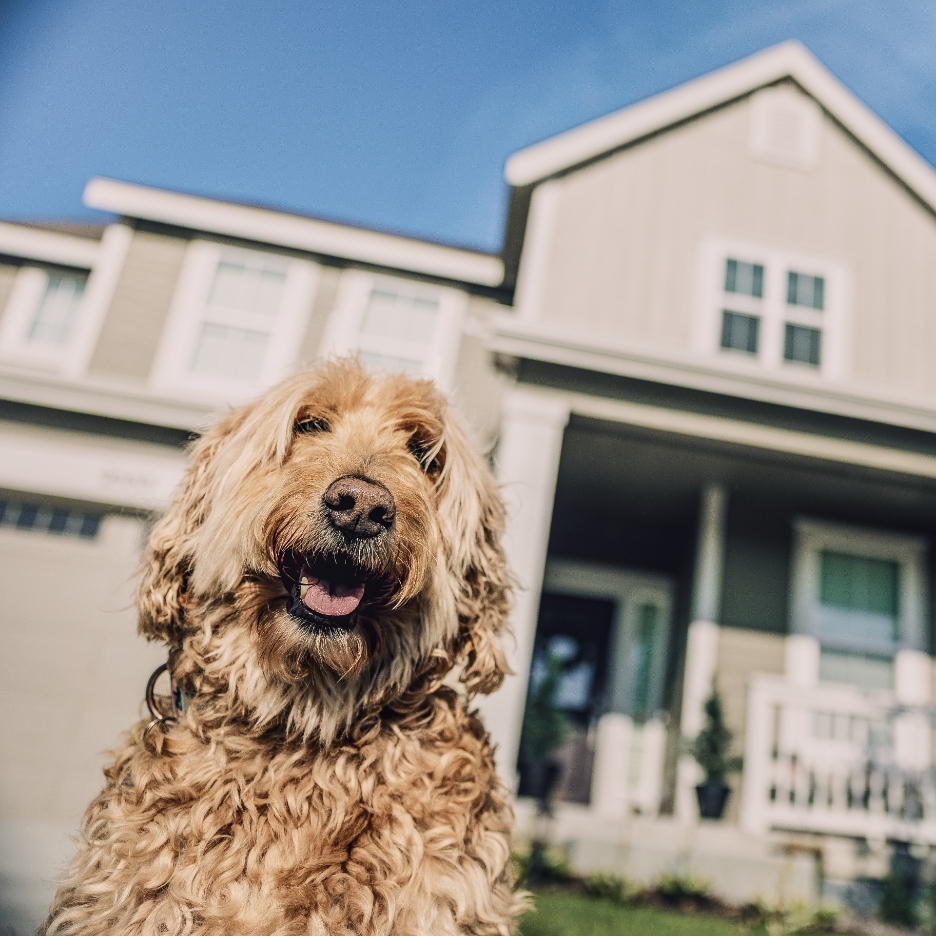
834, 759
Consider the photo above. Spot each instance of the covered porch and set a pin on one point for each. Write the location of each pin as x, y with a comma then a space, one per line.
694, 529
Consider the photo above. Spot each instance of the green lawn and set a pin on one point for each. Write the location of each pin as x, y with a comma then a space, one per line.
573, 915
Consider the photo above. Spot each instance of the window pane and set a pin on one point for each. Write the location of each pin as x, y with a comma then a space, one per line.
802, 344
858, 583
869, 672
744, 278
739, 332
405, 318
247, 288
55, 318
230, 352
803, 290
858, 598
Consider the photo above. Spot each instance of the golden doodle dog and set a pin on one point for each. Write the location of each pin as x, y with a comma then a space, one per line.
330, 557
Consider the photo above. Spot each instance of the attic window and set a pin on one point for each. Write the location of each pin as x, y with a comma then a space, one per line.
785, 128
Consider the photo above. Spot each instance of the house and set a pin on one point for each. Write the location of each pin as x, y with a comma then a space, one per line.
703, 363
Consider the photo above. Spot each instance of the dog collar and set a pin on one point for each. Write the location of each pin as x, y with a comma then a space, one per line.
180, 700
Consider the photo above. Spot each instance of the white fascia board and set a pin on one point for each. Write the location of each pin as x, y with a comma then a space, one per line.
99, 399
141, 475
17, 240
788, 59
749, 435
533, 341
272, 227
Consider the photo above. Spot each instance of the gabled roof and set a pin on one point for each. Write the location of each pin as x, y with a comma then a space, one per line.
787, 60
268, 226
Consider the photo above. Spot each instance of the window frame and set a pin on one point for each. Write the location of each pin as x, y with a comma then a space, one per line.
773, 311
26, 296
354, 291
812, 537
171, 372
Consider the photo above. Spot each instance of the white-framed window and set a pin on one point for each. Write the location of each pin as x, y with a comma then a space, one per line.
235, 323
862, 595
397, 324
772, 309
44, 316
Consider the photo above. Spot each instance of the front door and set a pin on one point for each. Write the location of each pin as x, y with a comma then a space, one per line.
600, 646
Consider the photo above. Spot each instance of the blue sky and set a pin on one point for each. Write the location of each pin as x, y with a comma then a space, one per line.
394, 115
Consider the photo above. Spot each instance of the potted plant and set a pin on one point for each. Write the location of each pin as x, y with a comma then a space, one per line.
711, 749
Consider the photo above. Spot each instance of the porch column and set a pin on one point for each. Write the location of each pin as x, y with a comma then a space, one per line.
702, 639
528, 452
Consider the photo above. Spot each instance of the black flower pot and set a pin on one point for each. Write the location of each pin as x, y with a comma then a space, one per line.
712, 796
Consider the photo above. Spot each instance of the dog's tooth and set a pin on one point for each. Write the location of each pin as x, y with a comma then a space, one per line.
303, 586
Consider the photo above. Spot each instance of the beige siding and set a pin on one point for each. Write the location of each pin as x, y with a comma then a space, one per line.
134, 323
624, 250
322, 306
741, 653
478, 387
7, 275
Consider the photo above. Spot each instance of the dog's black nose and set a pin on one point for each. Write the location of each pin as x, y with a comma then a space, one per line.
359, 508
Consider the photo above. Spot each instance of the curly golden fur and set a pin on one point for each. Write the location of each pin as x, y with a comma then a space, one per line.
323, 779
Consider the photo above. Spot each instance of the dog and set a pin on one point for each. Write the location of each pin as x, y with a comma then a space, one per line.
330, 583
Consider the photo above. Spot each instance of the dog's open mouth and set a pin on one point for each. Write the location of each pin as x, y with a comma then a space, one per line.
324, 592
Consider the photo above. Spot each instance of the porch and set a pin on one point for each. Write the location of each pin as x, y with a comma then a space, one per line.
830, 711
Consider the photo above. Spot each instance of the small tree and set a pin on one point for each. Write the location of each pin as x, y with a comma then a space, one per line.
712, 744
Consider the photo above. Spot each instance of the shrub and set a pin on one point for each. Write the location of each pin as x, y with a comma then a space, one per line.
611, 887
682, 889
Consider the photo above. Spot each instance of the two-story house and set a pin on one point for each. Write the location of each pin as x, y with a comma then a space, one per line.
703, 364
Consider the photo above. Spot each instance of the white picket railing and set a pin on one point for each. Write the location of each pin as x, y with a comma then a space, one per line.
837, 760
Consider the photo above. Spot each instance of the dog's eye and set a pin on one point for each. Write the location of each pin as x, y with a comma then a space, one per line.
311, 426
427, 453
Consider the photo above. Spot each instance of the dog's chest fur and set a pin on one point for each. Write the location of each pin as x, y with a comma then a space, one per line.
237, 835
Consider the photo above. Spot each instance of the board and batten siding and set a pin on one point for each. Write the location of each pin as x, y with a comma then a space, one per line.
134, 323
623, 253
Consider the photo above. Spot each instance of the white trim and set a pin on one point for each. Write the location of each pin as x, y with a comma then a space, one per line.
812, 536
98, 397
793, 386
343, 329
98, 295
537, 244
171, 374
772, 310
62, 464
17, 240
753, 435
29, 290
788, 59
273, 227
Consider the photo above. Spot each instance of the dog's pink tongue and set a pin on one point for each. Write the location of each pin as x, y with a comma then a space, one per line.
333, 599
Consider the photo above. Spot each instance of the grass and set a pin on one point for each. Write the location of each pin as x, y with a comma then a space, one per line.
566, 914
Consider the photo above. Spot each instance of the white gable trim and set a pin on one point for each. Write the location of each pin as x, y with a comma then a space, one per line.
787, 60
273, 227
18, 240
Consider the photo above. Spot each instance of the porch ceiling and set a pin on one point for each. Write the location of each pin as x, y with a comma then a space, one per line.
617, 483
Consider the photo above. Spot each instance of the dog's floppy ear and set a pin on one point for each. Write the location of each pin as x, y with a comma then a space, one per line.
472, 516
167, 559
